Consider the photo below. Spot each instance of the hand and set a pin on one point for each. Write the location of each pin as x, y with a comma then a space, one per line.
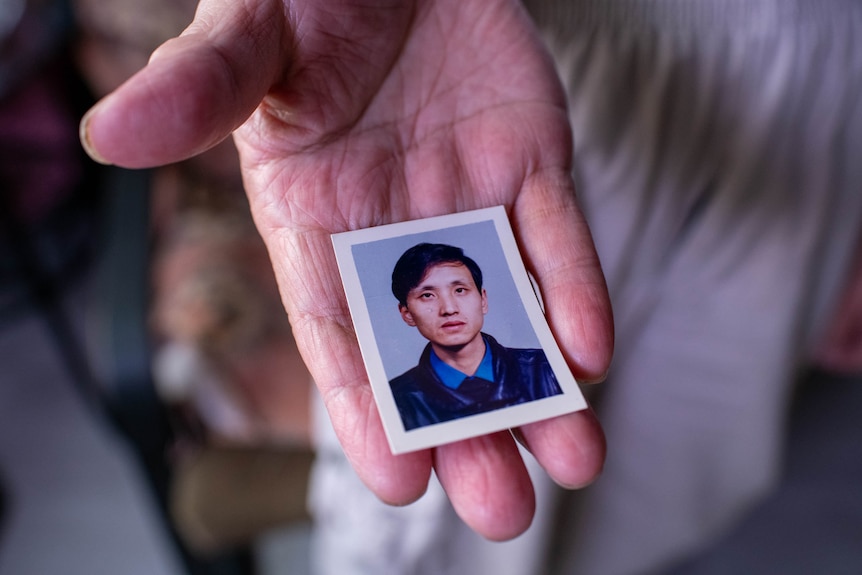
352, 115
840, 347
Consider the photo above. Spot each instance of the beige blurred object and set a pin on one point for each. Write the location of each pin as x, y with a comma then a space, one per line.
144, 24
226, 497
214, 291
216, 305
116, 37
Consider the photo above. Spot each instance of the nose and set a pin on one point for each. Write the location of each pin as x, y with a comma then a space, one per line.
448, 305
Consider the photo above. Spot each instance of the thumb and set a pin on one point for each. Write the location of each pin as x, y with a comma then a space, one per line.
196, 89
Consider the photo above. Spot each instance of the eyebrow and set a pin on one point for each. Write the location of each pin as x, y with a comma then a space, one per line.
429, 287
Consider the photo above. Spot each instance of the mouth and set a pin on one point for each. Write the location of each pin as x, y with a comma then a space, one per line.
452, 325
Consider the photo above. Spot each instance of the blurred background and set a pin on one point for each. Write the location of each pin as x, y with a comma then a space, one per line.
145, 424
139, 329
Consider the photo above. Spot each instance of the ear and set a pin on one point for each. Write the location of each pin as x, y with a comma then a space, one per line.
406, 315
484, 302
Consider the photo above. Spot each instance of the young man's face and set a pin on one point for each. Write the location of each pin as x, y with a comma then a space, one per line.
446, 306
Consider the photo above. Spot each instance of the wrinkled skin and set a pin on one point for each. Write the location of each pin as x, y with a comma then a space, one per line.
349, 115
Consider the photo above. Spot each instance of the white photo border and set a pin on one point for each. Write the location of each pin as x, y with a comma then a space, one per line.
401, 441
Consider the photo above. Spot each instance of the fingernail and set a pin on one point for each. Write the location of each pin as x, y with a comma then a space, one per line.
594, 380
84, 135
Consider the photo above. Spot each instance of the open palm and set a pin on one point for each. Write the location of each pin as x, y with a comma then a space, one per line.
353, 116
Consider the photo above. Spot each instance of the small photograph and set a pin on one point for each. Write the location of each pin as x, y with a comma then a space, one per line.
451, 329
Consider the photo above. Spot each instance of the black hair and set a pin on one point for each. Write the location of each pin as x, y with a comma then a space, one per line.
415, 262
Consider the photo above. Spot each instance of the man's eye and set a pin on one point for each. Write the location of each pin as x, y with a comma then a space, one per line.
426, 295
460, 290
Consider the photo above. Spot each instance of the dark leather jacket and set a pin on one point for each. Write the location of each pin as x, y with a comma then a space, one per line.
520, 375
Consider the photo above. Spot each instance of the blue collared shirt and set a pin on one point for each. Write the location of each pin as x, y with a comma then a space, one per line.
453, 378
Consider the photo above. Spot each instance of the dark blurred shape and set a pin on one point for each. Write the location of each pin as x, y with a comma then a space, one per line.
3, 506
48, 195
57, 229
812, 522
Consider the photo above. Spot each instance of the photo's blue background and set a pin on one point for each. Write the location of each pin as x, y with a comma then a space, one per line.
401, 345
